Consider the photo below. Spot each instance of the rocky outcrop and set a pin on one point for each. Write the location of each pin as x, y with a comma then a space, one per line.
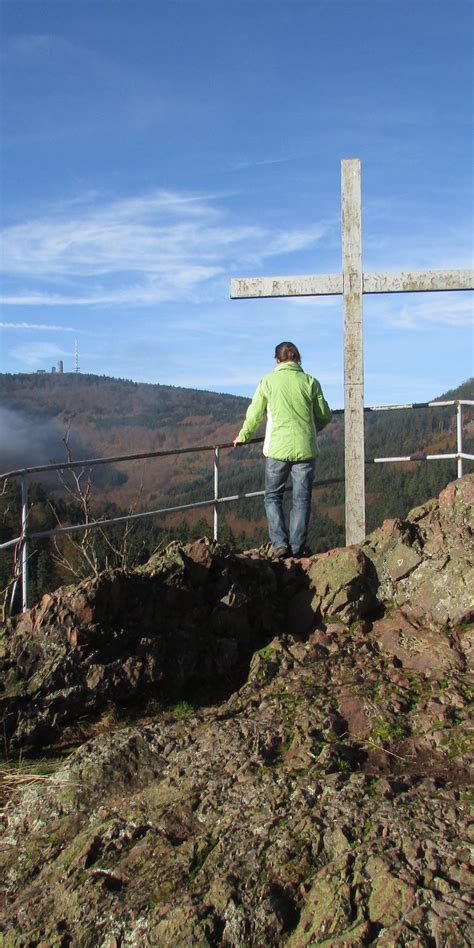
275, 753
185, 625
425, 565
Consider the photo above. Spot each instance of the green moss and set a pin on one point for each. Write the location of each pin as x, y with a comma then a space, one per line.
386, 732
376, 693
182, 710
267, 664
53, 841
368, 829
201, 853
390, 897
288, 702
15, 686
342, 766
457, 743
162, 895
416, 689
454, 715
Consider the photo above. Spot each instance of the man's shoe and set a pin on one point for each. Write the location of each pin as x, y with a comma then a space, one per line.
280, 552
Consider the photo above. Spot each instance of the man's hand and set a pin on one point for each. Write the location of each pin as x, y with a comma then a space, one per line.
237, 441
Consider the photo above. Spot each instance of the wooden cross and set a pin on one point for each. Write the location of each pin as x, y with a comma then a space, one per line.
352, 283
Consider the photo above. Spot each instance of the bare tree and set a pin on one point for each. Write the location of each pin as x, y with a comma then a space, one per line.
87, 556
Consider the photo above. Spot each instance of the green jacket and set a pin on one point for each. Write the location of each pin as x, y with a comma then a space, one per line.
296, 409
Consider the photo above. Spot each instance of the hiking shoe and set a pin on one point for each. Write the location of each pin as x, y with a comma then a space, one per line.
303, 554
280, 552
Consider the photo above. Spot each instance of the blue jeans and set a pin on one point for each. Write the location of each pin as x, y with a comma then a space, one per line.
276, 476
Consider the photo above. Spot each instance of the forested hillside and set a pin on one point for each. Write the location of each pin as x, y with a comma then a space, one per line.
102, 417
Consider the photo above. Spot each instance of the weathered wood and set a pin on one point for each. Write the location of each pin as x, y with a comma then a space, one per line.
353, 352
418, 281
329, 284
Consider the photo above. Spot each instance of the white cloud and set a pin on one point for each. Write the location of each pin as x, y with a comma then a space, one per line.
46, 326
140, 250
415, 312
39, 354
289, 241
165, 247
244, 164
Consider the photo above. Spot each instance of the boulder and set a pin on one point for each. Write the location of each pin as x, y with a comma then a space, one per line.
425, 565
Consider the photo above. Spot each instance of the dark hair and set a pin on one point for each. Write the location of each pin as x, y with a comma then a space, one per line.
287, 352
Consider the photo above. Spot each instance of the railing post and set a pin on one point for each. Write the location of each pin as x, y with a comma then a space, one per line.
24, 543
459, 437
216, 493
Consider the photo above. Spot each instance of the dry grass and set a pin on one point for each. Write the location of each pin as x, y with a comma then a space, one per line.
14, 778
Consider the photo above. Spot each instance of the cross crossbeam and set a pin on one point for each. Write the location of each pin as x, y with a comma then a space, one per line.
332, 284
352, 284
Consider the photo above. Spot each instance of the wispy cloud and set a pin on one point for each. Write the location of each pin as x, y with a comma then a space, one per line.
417, 312
414, 311
45, 326
161, 246
23, 48
39, 353
244, 164
170, 247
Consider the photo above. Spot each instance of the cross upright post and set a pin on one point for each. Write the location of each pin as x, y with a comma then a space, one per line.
353, 352
352, 284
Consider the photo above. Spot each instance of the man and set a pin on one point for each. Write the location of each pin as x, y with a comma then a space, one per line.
296, 409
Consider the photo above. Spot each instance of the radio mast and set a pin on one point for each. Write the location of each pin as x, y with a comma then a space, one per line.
76, 357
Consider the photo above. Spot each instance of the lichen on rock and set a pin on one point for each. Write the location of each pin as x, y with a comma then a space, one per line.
266, 753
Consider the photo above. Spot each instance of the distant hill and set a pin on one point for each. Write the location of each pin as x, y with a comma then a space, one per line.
106, 416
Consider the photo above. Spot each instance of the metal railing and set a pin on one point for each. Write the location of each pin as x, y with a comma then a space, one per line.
21, 542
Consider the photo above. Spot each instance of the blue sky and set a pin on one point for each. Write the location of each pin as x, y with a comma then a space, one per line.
154, 149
